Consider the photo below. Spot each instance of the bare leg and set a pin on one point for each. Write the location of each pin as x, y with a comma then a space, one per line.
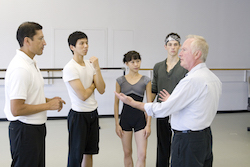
127, 148
141, 143
87, 160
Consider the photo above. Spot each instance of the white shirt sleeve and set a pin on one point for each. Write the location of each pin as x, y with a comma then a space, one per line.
148, 108
70, 73
181, 97
18, 84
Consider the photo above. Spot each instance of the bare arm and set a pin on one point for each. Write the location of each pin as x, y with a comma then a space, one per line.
19, 108
98, 79
153, 96
149, 99
118, 128
116, 105
81, 92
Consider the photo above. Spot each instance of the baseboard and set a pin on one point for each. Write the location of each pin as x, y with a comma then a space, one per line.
232, 111
112, 116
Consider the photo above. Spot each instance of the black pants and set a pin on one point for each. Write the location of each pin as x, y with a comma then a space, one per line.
164, 135
192, 149
27, 144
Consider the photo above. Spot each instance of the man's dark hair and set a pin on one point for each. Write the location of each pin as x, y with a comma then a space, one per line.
74, 37
131, 55
27, 29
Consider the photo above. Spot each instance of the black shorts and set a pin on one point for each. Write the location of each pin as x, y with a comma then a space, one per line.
27, 143
83, 130
132, 118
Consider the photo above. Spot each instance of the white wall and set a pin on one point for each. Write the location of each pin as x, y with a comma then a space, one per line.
117, 26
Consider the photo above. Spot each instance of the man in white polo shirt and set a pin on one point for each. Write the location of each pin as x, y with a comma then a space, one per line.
25, 102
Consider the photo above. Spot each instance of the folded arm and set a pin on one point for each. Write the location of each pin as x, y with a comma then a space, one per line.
81, 92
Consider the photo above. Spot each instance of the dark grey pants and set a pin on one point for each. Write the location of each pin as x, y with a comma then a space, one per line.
192, 149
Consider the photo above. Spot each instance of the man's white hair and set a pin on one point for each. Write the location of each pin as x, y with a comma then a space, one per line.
199, 44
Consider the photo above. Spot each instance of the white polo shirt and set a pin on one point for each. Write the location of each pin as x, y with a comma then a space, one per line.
23, 80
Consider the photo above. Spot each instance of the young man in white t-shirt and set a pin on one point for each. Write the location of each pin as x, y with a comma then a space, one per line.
82, 77
25, 102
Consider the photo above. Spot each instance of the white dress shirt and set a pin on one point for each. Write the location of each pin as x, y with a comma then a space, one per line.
193, 103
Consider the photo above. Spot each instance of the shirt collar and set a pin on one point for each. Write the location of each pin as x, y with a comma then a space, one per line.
25, 57
197, 67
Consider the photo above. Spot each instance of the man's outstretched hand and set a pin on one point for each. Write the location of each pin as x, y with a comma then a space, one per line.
125, 99
130, 101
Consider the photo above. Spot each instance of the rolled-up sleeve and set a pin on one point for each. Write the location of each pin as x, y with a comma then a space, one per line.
156, 109
148, 109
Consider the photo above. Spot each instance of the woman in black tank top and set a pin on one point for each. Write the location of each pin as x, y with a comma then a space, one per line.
134, 85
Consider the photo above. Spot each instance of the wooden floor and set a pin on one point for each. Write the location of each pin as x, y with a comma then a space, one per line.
231, 143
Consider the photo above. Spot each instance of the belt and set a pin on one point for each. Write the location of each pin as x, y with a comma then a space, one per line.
189, 131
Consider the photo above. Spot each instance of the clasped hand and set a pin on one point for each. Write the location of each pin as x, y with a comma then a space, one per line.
94, 61
164, 95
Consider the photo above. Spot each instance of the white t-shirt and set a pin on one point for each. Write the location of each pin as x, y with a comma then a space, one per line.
23, 80
72, 71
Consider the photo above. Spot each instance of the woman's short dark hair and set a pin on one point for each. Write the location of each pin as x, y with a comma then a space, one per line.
131, 55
